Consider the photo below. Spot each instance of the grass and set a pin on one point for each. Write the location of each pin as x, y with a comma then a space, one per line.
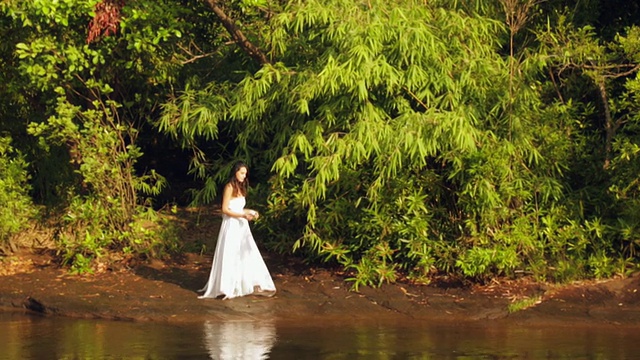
521, 304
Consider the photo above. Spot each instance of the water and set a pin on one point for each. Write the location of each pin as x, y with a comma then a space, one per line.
33, 337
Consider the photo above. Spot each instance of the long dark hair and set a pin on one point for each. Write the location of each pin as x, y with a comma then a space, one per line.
239, 188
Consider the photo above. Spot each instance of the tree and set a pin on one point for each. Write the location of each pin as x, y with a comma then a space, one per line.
93, 99
583, 64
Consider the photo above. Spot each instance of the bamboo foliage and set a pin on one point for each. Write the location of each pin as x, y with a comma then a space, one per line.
396, 139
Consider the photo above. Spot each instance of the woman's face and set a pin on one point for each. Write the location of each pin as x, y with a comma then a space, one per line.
241, 174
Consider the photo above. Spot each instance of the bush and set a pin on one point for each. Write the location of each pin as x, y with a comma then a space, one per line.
17, 208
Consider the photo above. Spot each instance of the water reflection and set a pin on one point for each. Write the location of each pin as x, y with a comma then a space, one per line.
33, 337
239, 339
425, 340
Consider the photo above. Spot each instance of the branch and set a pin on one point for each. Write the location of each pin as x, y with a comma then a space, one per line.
192, 57
555, 85
237, 35
622, 74
416, 98
609, 125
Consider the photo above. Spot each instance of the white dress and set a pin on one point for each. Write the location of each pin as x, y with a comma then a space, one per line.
238, 268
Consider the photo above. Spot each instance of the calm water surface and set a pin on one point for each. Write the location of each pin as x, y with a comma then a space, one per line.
32, 337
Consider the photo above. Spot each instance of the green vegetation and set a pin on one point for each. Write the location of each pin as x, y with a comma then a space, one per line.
17, 208
396, 139
522, 304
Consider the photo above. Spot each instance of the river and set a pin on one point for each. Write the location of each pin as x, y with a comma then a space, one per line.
26, 336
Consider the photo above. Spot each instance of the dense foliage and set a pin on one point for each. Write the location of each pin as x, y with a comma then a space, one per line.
403, 138
17, 207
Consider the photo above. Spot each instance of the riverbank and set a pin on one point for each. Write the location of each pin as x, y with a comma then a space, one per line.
165, 291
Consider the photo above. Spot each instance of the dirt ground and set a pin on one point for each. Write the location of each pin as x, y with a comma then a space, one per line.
166, 291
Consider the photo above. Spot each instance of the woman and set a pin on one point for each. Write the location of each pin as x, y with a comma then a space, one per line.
238, 268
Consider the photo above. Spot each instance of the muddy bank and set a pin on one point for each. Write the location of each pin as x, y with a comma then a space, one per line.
166, 291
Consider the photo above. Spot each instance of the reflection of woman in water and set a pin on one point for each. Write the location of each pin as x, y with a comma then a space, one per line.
238, 268
240, 339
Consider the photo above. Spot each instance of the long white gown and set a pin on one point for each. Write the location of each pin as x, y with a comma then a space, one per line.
238, 268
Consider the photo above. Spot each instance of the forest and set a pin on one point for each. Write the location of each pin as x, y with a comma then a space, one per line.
394, 139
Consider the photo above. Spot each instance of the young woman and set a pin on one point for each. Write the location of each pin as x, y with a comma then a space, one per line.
238, 268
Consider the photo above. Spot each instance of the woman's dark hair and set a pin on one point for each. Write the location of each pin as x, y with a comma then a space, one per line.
239, 188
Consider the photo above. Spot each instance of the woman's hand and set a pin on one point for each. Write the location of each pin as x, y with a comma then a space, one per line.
251, 214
